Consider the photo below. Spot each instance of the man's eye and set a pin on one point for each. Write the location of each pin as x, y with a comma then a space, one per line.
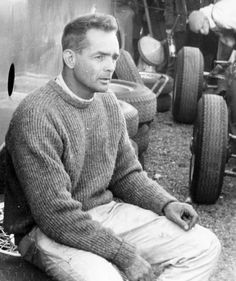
115, 58
100, 57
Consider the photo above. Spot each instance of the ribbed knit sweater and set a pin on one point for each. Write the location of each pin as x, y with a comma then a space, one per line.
66, 156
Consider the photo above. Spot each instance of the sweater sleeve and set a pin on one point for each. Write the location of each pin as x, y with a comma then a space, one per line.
131, 184
36, 150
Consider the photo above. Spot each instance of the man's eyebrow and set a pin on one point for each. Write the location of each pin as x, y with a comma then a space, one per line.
116, 55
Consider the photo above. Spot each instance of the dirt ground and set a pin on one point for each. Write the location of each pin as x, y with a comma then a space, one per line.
167, 159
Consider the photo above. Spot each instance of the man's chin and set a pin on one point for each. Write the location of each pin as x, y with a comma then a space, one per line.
103, 88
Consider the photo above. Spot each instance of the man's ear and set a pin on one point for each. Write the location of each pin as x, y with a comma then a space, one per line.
69, 58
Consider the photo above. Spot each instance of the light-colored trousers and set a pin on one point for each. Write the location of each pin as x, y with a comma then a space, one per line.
183, 255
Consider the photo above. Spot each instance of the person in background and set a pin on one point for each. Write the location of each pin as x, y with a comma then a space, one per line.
182, 35
219, 18
77, 199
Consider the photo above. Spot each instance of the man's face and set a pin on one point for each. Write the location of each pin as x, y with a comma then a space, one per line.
204, 27
96, 63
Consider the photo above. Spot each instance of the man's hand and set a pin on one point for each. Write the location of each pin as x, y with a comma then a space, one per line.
182, 214
140, 270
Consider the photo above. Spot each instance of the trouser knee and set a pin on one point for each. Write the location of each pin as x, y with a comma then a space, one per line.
212, 247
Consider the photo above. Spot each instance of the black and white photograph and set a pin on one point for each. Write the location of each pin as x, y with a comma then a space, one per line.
118, 140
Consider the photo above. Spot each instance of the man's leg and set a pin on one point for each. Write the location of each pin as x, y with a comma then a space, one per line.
184, 256
65, 263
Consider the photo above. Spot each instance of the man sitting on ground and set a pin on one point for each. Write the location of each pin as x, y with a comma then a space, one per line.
77, 199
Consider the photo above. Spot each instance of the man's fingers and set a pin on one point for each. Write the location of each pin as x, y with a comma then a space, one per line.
190, 221
190, 216
182, 214
181, 222
193, 221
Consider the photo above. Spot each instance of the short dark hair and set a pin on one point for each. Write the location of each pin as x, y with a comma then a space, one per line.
75, 31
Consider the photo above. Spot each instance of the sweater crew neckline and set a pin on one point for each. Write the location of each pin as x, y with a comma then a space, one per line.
80, 103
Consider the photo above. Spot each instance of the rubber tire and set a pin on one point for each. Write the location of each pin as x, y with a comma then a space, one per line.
164, 103
121, 38
131, 117
126, 68
209, 150
142, 138
188, 84
139, 96
135, 146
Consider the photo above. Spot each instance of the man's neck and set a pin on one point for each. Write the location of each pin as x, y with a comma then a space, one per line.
61, 81
77, 88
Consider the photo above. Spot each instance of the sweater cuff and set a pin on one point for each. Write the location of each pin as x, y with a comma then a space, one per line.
161, 200
163, 207
125, 256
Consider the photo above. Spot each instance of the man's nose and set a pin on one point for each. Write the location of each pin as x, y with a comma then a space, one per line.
110, 64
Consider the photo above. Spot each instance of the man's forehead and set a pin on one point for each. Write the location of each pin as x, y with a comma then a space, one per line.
96, 33
101, 40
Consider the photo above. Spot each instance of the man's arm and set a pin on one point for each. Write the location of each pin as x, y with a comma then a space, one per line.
131, 183
36, 150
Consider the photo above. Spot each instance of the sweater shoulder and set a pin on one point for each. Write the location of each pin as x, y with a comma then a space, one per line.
40, 98
33, 110
109, 97
111, 103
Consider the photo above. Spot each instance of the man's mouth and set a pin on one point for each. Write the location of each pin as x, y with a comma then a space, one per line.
105, 80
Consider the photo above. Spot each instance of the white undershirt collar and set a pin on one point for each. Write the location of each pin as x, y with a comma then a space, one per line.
61, 82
